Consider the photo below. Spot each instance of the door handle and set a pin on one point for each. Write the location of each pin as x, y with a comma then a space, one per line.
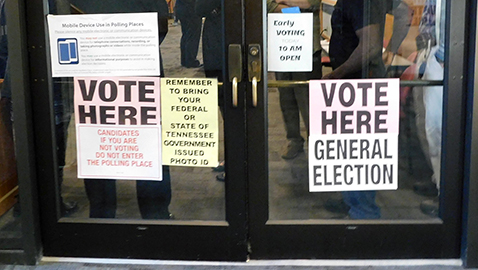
254, 92
254, 60
234, 92
235, 69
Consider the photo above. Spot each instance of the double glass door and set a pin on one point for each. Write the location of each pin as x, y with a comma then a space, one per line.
256, 202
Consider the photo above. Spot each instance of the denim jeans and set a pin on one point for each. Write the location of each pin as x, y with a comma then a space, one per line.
362, 204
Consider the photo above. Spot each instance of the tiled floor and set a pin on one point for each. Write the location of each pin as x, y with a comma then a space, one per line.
252, 265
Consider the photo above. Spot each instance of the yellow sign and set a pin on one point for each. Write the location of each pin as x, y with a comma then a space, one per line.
190, 134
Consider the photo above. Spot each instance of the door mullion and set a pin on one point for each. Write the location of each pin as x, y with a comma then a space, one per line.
234, 134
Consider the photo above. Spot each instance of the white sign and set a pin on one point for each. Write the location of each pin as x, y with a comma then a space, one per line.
353, 143
290, 42
125, 44
118, 127
190, 121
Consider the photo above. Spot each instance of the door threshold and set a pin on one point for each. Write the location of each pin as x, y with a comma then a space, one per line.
401, 262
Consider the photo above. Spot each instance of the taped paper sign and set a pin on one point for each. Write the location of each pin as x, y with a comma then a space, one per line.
125, 44
353, 143
190, 122
118, 127
290, 42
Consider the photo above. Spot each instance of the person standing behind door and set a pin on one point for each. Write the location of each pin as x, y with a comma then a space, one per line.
212, 52
356, 53
153, 197
212, 41
431, 42
294, 101
191, 24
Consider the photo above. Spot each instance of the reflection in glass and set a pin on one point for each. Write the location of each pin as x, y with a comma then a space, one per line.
186, 193
370, 39
10, 222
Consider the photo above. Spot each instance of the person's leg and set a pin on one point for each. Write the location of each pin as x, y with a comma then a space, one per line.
191, 32
433, 100
424, 187
102, 196
61, 131
302, 93
154, 197
62, 121
176, 21
183, 41
419, 109
290, 114
291, 117
434, 130
362, 204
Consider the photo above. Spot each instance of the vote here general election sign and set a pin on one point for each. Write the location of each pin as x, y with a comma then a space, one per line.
353, 143
118, 127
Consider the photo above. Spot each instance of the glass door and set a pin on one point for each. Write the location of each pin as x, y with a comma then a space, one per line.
309, 154
267, 200
189, 211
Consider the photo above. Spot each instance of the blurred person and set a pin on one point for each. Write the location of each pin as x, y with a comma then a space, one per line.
355, 53
431, 59
153, 197
212, 48
294, 101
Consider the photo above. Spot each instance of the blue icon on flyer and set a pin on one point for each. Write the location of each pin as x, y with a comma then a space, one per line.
68, 51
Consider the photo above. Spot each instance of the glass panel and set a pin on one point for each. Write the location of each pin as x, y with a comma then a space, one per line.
362, 39
185, 193
10, 223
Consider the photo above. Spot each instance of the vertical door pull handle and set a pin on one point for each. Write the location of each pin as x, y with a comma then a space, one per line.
254, 91
235, 69
234, 92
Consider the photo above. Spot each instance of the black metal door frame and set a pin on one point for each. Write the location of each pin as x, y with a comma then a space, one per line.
181, 240
33, 128
323, 239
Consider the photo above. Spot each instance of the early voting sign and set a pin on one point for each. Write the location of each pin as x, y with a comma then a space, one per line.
353, 143
290, 42
125, 44
118, 127
190, 122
